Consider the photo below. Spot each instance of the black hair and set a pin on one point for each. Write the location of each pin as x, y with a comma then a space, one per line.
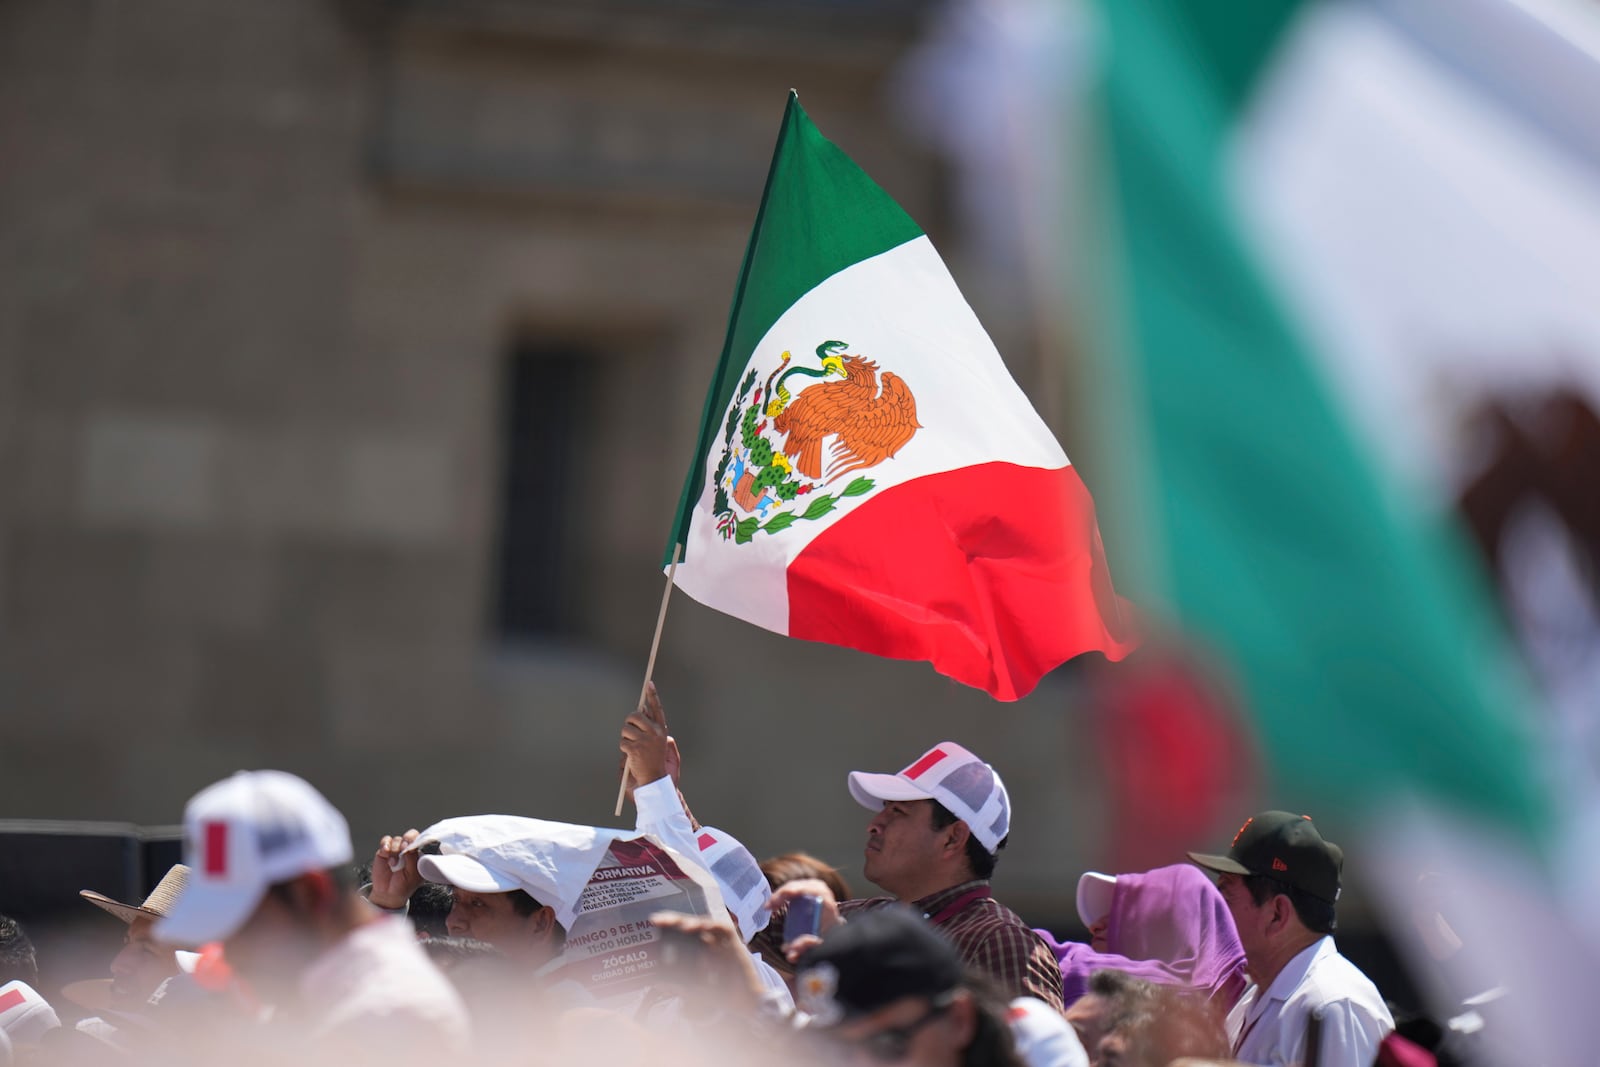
429, 908
523, 904
1109, 982
978, 858
1131, 1001
1315, 914
18, 960
1156, 1023
992, 1044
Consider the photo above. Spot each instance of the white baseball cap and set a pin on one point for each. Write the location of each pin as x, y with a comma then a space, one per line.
468, 872
1095, 893
25, 1016
738, 875
550, 861
1043, 1037
968, 787
241, 836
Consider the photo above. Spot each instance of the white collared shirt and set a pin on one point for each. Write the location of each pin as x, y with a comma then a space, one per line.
1317, 981
660, 812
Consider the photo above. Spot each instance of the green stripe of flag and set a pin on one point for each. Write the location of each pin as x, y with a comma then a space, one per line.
819, 214
1361, 634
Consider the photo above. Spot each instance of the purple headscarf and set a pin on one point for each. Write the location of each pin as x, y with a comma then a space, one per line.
1169, 925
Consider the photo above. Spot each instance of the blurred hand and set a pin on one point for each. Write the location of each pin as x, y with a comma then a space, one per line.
805, 887
394, 871
728, 970
793, 950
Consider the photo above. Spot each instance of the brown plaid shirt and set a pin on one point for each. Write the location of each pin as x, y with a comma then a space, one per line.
991, 938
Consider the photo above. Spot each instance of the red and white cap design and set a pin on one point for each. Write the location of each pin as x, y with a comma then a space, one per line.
242, 835
1043, 1037
25, 1016
948, 773
738, 875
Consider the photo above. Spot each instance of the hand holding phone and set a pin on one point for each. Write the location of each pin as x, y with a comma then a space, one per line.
804, 916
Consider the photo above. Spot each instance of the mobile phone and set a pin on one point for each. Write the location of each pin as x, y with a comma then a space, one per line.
803, 917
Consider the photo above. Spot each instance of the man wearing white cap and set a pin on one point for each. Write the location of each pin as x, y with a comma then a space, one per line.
270, 877
490, 902
938, 829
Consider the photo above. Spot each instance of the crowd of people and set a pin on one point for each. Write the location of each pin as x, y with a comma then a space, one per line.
503, 939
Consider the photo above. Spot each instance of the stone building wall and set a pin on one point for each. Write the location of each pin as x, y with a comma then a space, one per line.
264, 271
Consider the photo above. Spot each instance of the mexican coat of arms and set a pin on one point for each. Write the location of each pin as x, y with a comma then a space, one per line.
790, 438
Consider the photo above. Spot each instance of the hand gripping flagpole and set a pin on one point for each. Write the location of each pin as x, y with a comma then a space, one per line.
650, 667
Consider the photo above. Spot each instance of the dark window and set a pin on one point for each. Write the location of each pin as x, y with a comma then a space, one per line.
547, 395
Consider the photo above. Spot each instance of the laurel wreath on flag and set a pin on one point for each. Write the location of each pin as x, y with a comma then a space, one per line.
745, 420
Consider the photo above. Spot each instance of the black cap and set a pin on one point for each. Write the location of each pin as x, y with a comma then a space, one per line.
1286, 848
874, 960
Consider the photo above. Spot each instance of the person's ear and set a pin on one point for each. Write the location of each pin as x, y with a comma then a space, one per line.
955, 842
963, 1018
314, 893
1282, 912
544, 920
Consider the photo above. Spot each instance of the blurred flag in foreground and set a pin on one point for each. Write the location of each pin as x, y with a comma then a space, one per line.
1361, 635
1320, 226
867, 473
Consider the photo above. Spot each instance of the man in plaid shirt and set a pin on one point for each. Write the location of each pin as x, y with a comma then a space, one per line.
938, 829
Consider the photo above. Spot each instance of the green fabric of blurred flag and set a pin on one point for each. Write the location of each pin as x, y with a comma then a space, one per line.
1356, 625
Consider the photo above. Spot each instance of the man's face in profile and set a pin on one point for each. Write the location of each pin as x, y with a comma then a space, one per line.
142, 965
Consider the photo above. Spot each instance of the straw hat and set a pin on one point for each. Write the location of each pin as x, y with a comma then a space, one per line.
155, 906
95, 994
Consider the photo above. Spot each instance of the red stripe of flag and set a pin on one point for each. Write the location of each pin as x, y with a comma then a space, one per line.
11, 1000
995, 600
919, 768
217, 848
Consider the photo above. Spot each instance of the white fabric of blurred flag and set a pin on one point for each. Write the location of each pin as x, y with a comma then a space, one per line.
1414, 188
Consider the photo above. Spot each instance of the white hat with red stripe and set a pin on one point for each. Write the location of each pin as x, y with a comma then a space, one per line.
1042, 1036
241, 836
968, 787
25, 1016
738, 875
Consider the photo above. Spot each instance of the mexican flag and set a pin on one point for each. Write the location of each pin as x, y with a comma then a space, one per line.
1292, 196
867, 472
1323, 235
